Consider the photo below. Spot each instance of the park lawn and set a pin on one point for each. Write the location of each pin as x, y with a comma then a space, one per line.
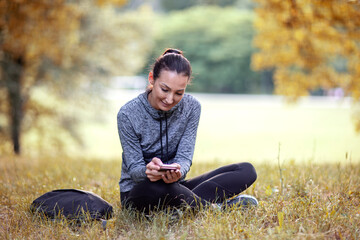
246, 128
232, 127
305, 200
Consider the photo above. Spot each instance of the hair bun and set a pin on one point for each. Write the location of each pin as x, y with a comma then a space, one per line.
172, 50
172, 60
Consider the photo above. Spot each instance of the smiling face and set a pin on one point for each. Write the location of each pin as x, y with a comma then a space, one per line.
168, 89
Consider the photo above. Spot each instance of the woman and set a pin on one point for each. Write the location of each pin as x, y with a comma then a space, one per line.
160, 126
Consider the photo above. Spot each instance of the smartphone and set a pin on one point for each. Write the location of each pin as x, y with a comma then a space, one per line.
166, 167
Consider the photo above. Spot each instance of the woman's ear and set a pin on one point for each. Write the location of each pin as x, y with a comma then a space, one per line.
151, 78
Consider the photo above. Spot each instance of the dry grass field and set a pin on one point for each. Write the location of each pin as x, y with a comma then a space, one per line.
307, 158
297, 201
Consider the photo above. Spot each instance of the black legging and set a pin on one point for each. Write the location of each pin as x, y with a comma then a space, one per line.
214, 186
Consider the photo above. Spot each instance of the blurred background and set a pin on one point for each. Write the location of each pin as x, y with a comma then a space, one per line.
284, 76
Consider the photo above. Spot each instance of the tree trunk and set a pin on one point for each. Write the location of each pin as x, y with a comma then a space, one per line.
12, 74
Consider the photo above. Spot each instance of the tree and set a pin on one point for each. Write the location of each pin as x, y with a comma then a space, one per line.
310, 45
217, 43
170, 5
62, 45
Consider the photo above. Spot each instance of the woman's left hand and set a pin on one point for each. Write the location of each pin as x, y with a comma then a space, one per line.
172, 175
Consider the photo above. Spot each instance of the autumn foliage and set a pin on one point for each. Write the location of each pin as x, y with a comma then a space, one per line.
310, 45
37, 37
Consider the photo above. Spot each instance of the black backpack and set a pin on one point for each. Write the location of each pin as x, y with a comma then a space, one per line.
73, 204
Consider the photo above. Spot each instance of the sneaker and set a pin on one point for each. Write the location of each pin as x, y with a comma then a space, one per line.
242, 200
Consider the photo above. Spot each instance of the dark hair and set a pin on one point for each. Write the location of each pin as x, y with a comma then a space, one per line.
172, 60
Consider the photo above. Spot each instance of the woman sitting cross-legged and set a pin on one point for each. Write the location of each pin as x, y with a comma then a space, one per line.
159, 127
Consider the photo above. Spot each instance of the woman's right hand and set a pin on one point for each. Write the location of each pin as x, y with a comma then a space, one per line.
152, 170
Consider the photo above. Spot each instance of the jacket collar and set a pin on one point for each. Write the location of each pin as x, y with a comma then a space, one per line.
155, 114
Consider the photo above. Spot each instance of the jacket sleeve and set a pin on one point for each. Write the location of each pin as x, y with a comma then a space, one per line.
132, 154
186, 146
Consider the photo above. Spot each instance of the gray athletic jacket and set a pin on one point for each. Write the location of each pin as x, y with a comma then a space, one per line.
146, 133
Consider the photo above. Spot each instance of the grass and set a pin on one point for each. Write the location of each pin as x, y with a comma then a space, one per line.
312, 201
250, 128
246, 128
308, 189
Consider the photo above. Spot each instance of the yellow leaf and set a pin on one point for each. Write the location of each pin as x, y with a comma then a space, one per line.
299, 35
281, 219
268, 190
333, 212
